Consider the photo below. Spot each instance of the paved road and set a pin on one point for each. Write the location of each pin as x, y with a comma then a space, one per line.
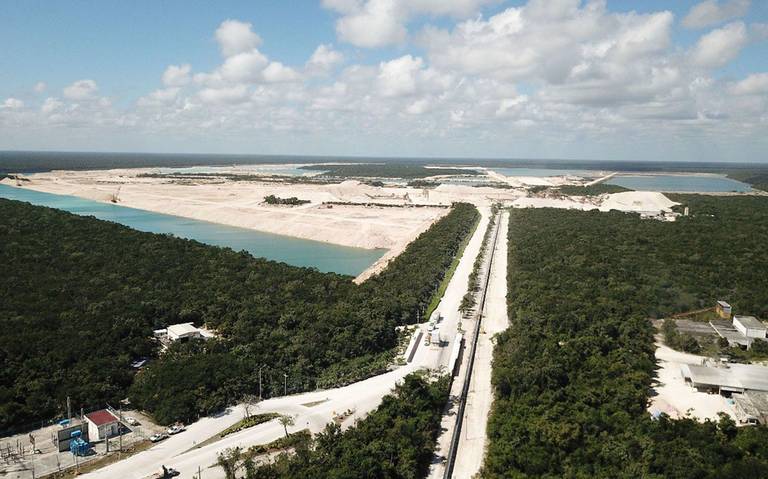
362, 397
472, 443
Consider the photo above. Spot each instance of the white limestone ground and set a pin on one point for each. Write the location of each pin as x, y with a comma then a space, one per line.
676, 398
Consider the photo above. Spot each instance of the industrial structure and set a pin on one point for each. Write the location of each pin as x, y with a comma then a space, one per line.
102, 424
726, 378
750, 326
69, 432
723, 309
182, 332
77, 445
740, 331
751, 408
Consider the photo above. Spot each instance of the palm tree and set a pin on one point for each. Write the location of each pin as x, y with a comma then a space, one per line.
228, 460
286, 421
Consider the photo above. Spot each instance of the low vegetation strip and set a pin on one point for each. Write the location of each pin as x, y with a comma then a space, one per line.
81, 297
385, 170
573, 372
469, 300
250, 421
292, 201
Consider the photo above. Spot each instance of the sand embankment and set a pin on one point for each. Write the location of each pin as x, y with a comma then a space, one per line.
241, 204
644, 202
370, 217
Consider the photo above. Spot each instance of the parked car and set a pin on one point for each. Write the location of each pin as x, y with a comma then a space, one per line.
175, 429
158, 437
132, 421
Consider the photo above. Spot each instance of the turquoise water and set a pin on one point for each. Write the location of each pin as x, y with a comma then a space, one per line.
679, 183
668, 183
298, 252
543, 172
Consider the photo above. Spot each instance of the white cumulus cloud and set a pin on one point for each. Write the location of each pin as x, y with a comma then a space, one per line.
718, 47
236, 37
377, 23
712, 12
754, 84
234, 94
324, 59
160, 97
245, 66
81, 90
276, 72
398, 77
12, 104
50, 105
177, 75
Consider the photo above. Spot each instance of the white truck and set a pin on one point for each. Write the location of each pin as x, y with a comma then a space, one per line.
434, 337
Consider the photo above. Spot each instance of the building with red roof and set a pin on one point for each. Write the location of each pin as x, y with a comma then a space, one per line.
102, 424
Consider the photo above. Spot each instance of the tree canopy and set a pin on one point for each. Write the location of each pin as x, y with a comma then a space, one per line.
81, 298
395, 441
573, 373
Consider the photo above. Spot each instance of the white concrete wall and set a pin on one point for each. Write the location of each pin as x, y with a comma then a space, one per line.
748, 332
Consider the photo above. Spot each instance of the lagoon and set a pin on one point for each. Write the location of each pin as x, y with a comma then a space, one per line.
671, 183
681, 183
545, 172
298, 252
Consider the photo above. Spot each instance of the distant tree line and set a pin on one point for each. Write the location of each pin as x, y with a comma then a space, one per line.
573, 373
80, 298
406, 171
757, 179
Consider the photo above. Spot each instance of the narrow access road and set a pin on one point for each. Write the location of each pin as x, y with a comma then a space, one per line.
445, 457
601, 180
180, 451
471, 450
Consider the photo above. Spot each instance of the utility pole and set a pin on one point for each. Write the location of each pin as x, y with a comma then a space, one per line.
285, 384
69, 409
260, 398
120, 432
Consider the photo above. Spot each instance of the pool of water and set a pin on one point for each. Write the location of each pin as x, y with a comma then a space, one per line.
544, 172
298, 252
679, 183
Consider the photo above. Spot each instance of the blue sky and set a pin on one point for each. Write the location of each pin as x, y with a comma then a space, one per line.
421, 77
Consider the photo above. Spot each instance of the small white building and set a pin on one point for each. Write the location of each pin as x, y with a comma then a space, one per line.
182, 332
750, 326
102, 424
